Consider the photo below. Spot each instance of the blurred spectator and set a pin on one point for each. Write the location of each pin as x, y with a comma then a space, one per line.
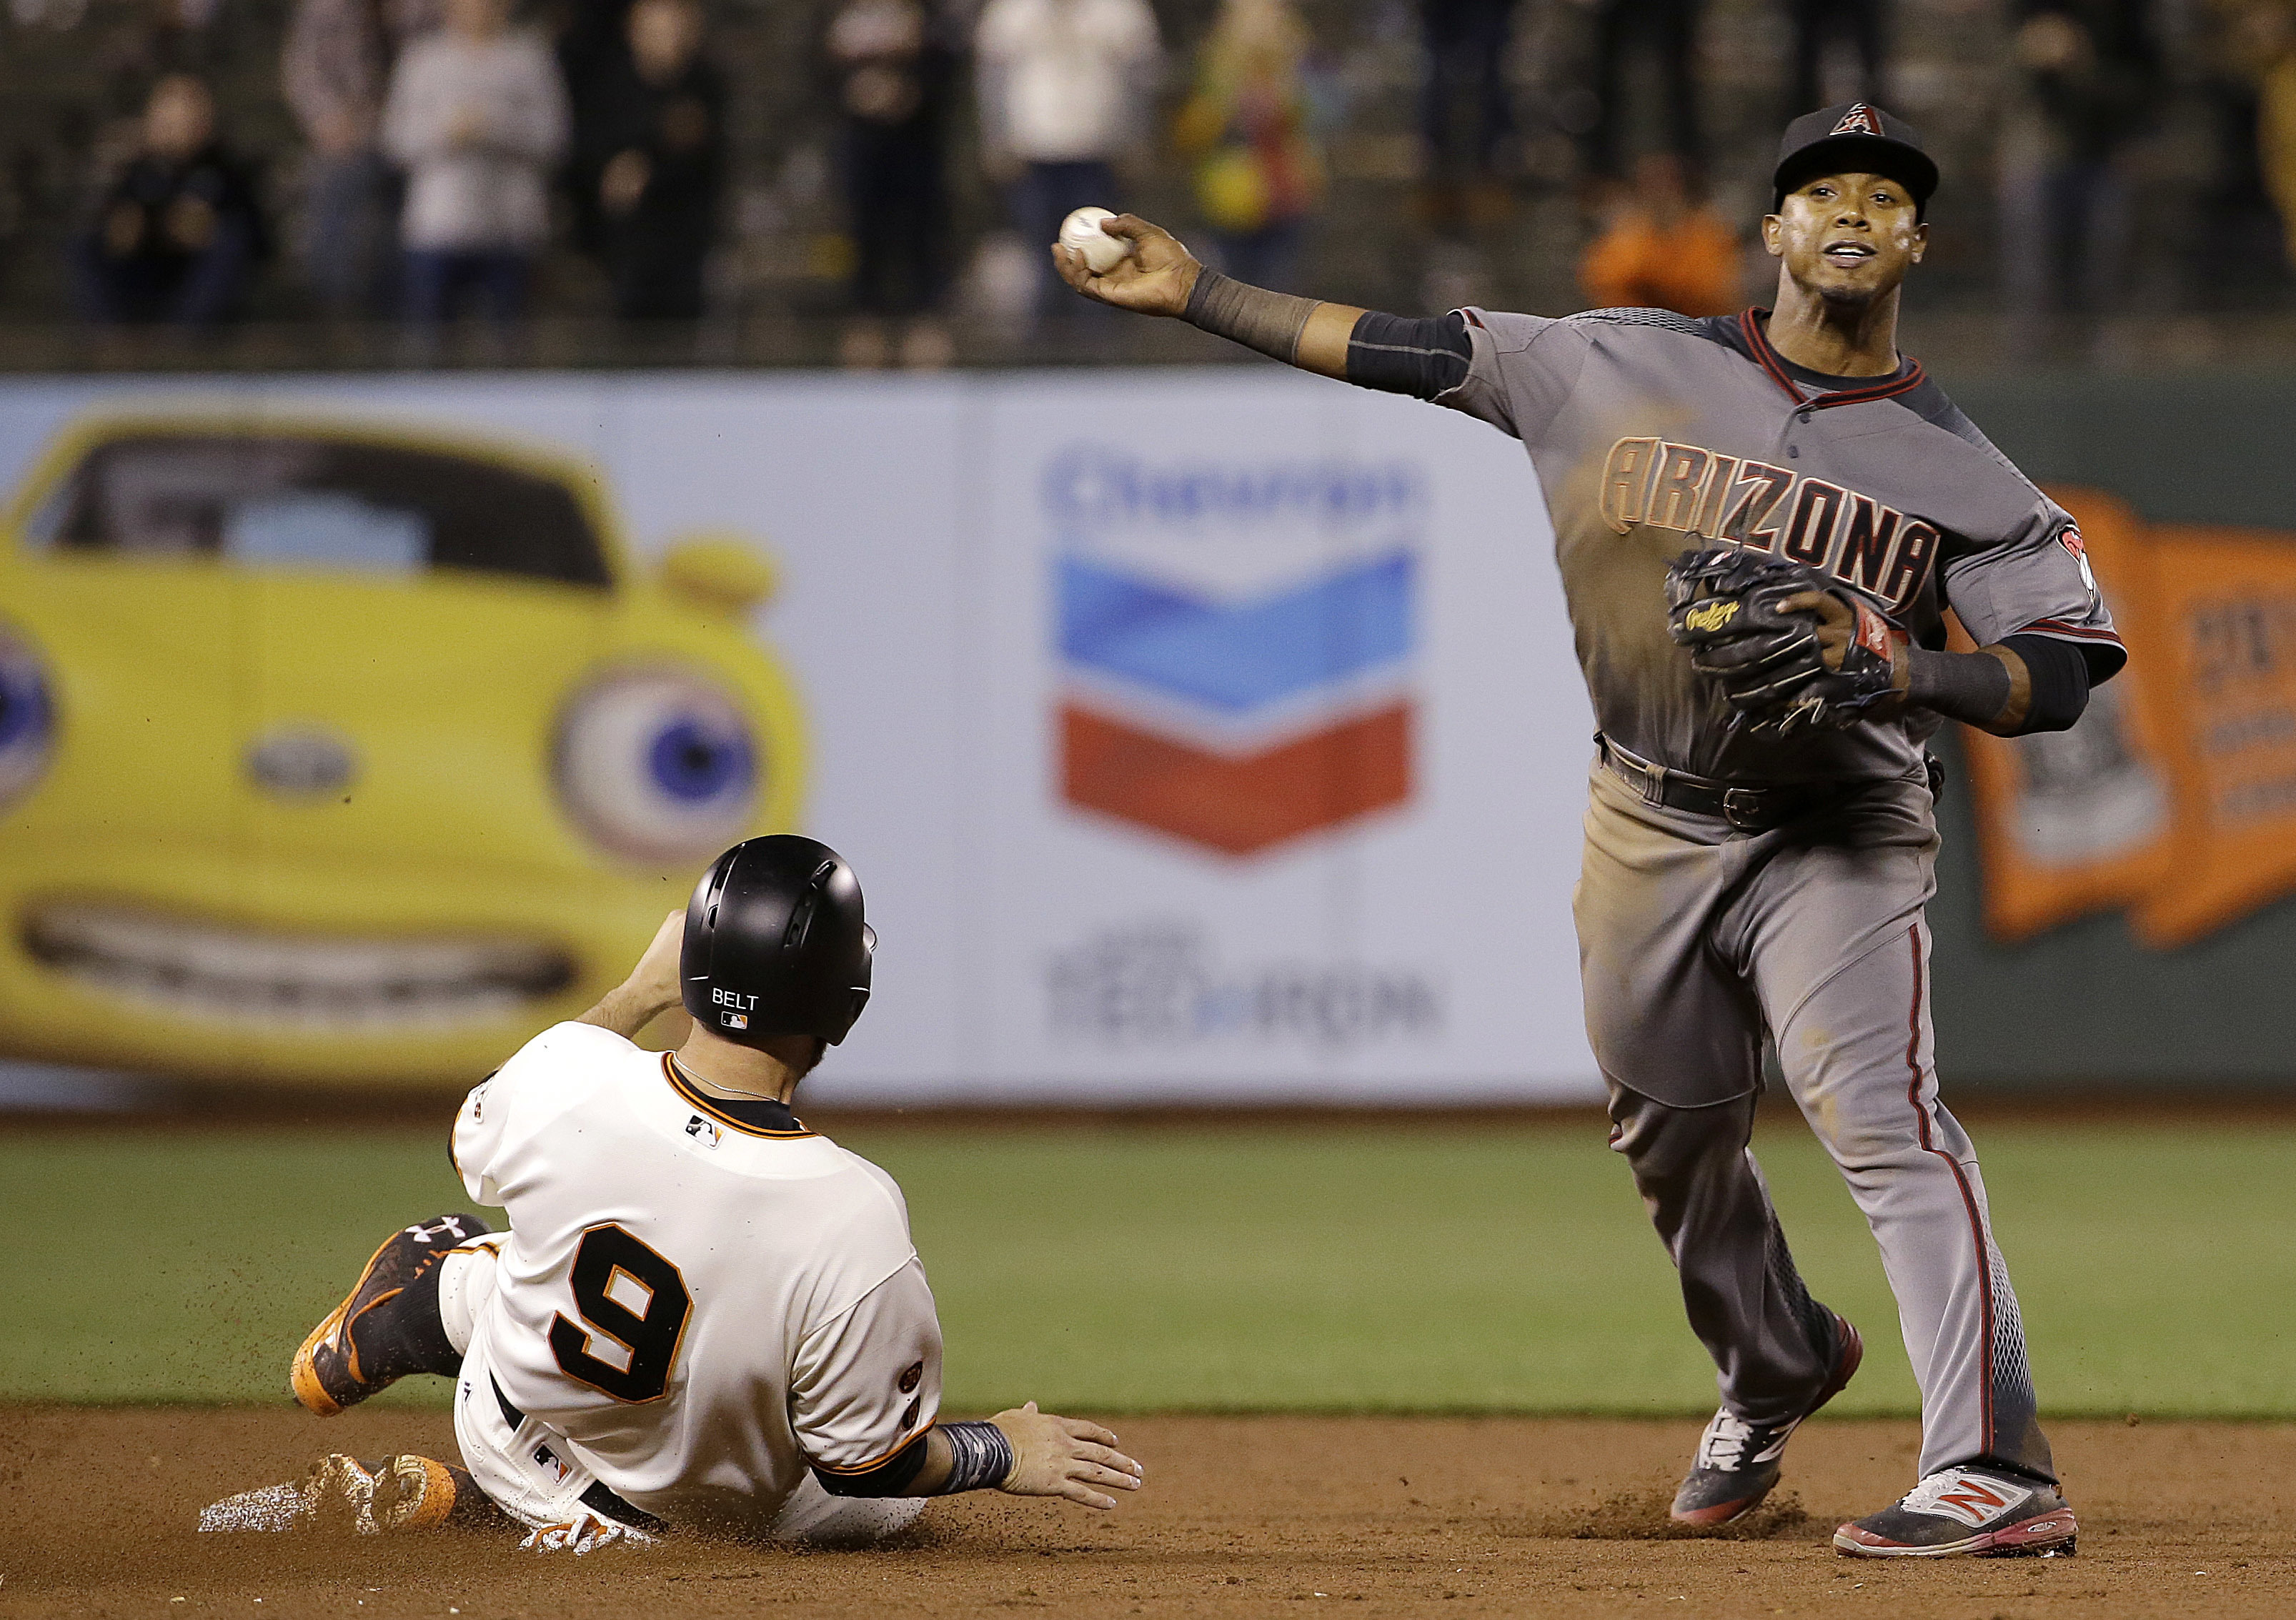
1464, 113
333, 68
2265, 43
477, 117
1250, 124
2092, 76
1663, 250
1860, 24
891, 66
176, 236
652, 137
1063, 87
1667, 30
594, 45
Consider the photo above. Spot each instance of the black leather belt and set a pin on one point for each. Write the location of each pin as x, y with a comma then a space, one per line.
1749, 806
598, 1498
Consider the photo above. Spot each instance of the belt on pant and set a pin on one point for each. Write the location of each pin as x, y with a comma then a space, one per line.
599, 1499
1748, 807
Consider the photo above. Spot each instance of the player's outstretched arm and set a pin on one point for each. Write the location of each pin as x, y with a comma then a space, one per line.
650, 990
1022, 1452
1161, 277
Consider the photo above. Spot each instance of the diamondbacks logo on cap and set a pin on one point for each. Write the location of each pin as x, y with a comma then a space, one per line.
1860, 119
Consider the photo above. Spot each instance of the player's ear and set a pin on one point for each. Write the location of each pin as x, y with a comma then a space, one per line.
1774, 227
1920, 240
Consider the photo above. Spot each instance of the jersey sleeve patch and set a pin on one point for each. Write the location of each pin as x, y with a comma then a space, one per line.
2034, 580
866, 1383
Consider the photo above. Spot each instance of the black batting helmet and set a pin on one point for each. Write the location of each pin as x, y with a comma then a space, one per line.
774, 943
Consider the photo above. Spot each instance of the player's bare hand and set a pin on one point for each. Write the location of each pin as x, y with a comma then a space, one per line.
1054, 1456
1836, 622
1837, 627
1155, 278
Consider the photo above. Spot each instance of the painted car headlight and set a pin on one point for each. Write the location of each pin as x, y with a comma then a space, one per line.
657, 765
28, 718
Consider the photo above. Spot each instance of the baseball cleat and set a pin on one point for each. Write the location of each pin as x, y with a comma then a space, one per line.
416, 1493
346, 1496
348, 1358
1737, 1461
339, 1495
1966, 1511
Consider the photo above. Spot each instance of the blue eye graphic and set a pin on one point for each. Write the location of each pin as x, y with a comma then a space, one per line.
695, 762
657, 765
28, 718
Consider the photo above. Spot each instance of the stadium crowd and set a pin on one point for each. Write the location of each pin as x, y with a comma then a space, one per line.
889, 169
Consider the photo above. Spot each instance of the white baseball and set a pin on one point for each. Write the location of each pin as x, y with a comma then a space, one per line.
1101, 252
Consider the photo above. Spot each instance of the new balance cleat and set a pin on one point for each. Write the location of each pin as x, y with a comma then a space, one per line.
1737, 1463
358, 1351
1968, 1512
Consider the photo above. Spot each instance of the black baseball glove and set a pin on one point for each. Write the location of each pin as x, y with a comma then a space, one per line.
1725, 604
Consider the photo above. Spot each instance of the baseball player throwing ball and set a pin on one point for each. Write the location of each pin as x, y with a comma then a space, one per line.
703, 1315
1760, 522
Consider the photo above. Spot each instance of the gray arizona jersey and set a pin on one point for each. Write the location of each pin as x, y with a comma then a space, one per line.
1654, 434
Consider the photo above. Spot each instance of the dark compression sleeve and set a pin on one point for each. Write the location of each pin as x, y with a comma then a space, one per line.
1975, 687
891, 1477
979, 1459
2060, 677
1419, 357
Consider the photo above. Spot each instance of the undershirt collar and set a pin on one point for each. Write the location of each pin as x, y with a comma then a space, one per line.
1815, 389
760, 1114
1826, 384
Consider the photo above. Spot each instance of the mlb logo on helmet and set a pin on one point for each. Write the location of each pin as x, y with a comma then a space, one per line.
1233, 640
733, 1020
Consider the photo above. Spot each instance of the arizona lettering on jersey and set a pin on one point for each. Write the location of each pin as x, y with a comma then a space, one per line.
1653, 433
1858, 539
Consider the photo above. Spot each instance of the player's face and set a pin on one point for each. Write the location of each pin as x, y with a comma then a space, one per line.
1847, 238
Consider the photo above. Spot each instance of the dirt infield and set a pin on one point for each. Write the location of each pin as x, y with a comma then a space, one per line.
1243, 1516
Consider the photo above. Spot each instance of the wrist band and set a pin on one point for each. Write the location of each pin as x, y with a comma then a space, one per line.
1253, 316
980, 1457
1975, 687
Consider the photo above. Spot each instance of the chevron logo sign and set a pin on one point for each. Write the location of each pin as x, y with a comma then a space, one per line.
1234, 643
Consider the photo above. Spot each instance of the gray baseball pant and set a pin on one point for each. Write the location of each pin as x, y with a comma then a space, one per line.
1694, 938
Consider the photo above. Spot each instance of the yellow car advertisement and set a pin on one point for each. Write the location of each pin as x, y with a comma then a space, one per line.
336, 751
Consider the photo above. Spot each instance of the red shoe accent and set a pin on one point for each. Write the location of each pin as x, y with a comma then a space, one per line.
1845, 1368
2052, 1534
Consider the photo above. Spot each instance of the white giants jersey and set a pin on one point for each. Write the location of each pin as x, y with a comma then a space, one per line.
706, 1299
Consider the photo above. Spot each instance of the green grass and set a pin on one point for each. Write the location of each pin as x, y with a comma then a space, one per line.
1418, 1268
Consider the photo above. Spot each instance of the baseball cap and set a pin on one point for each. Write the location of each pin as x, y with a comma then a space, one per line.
1855, 138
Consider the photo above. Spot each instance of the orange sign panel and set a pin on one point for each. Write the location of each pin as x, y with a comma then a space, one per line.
2079, 821
2224, 606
